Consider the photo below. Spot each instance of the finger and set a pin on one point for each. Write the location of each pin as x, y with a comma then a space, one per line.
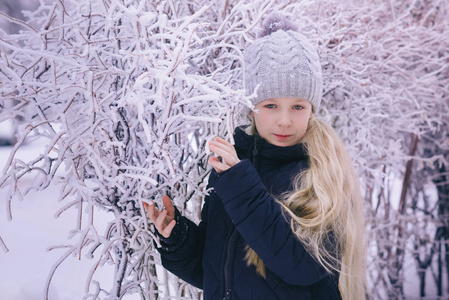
222, 144
168, 206
217, 164
225, 145
146, 204
152, 212
219, 149
167, 230
212, 161
160, 221
223, 141
228, 155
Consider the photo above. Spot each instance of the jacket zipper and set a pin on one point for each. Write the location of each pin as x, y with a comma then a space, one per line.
228, 267
255, 159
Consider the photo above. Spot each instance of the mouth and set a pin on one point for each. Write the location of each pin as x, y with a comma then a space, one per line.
282, 136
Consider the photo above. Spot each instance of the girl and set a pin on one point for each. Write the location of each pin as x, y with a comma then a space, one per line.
284, 219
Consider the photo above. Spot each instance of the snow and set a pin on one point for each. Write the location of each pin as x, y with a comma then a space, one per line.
33, 229
385, 83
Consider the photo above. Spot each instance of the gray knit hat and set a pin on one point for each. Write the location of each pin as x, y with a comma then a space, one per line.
284, 63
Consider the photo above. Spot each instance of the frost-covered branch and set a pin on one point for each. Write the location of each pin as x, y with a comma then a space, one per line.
126, 94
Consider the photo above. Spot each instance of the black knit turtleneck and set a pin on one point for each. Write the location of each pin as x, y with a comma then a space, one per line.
272, 162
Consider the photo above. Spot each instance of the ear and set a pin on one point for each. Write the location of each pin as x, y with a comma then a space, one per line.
311, 115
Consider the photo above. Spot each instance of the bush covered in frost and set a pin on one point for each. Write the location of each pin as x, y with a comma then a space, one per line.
128, 92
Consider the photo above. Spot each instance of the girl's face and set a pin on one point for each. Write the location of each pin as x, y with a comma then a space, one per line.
282, 121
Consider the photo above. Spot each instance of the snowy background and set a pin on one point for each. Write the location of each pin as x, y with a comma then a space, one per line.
110, 102
34, 229
24, 269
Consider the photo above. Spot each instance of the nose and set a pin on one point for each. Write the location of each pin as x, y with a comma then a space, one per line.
284, 119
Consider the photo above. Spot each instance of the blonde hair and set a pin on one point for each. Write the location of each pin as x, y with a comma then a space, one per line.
325, 210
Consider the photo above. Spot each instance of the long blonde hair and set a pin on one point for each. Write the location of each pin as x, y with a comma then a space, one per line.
325, 210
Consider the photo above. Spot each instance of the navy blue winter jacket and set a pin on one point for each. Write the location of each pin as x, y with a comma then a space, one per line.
240, 211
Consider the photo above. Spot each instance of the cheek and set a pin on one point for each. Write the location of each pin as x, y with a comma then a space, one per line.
260, 125
257, 120
302, 127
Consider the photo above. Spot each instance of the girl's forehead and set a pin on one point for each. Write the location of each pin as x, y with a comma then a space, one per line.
286, 100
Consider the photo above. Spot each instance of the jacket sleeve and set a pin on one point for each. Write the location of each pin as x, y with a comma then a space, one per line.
182, 252
260, 221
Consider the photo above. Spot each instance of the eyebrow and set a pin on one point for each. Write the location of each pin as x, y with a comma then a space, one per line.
301, 101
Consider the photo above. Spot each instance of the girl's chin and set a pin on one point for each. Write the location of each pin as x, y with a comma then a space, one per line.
282, 143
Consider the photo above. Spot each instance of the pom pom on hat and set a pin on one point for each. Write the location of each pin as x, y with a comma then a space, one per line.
283, 63
274, 23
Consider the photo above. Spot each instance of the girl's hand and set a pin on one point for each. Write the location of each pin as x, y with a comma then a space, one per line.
227, 153
163, 220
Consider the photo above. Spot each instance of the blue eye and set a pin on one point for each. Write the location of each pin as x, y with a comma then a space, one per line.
270, 106
298, 107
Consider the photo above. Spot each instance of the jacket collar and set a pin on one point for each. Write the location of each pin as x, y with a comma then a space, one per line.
248, 146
